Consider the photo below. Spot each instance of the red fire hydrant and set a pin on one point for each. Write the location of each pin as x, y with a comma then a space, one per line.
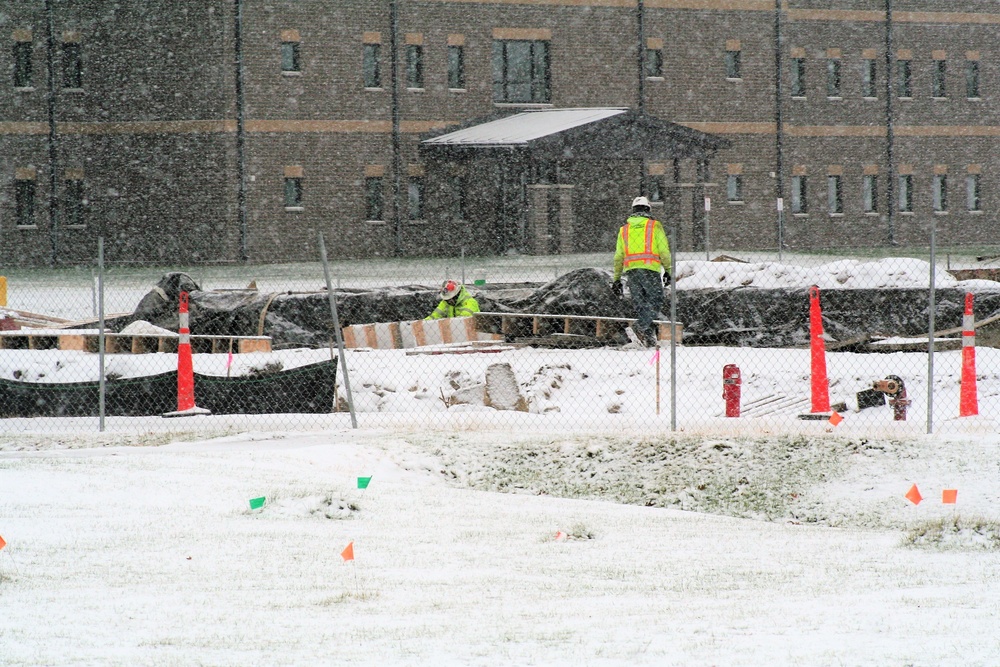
731, 382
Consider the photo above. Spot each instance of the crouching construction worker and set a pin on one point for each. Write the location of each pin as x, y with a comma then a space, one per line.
642, 254
455, 302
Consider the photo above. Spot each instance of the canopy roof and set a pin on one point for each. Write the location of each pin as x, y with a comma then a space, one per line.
589, 133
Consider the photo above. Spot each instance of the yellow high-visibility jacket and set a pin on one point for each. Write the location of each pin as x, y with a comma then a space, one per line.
642, 244
464, 306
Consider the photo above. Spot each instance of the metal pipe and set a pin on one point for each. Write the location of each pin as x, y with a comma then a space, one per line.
101, 341
779, 130
931, 305
673, 331
641, 107
336, 330
890, 186
397, 161
50, 45
241, 196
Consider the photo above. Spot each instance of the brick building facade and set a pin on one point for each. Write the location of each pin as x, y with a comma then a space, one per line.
137, 117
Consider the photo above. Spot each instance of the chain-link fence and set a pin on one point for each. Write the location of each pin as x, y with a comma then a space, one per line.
861, 342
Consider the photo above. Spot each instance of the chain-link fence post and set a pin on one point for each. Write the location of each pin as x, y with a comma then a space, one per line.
931, 305
337, 333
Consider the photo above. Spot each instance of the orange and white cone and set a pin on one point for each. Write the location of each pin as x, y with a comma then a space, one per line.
968, 402
820, 382
185, 367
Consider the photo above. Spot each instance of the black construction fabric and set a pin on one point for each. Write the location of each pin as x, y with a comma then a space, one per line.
306, 389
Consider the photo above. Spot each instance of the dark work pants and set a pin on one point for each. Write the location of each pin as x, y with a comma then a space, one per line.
646, 289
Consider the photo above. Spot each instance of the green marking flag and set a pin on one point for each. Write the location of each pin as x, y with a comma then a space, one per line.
363, 482
257, 503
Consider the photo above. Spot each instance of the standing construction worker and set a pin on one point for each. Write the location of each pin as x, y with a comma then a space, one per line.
455, 302
643, 255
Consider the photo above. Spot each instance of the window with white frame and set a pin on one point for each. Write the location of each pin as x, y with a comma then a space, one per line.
374, 199
800, 203
734, 187
654, 62
72, 65
940, 193
833, 77
414, 66
521, 71
22, 62
972, 200
869, 78
904, 79
24, 198
798, 83
371, 65
972, 79
734, 68
293, 192
290, 59
456, 67
869, 193
834, 194
904, 193
939, 86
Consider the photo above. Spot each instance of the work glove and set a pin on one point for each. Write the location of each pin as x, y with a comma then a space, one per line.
667, 279
617, 289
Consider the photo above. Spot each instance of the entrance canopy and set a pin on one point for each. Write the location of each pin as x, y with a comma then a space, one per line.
583, 134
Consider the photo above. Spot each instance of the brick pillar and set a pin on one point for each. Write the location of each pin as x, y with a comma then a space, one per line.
538, 218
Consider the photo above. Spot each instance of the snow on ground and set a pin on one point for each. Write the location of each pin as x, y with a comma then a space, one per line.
151, 556
763, 540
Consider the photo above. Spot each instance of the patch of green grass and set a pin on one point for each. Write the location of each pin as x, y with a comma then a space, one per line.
957, 532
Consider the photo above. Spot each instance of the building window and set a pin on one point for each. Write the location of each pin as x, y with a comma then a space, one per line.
290, 57
972, 192
938, 87
972, 79
940, 193
869, 193
799, 201
833, 77
415, 198
456, 67
371, 66
72, 65
521, 71
734, 188
24, 197
74, 202
733, 64
414, 66
654, 63
798, 87
293, 192
22, 64
869, 82
374, 203
655, 184
834, 194
904, 79
905, 193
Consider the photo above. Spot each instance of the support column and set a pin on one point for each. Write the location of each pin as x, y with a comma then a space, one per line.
567, 220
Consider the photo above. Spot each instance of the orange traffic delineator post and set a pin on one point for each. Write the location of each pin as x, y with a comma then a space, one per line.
968, 402
185, 367
817, 348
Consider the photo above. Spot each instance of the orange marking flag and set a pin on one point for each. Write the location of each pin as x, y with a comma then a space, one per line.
913, 495
949, 496
348, 552
835, 418
3, 543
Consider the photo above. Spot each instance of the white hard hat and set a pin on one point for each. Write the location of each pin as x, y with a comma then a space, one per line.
640, 201
450, 289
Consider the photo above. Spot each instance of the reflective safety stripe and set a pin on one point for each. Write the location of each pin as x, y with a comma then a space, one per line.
968, 330
645, 257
